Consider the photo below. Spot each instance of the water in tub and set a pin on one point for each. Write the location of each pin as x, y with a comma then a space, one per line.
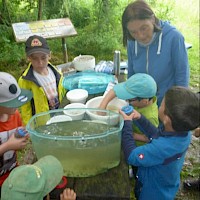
81, 156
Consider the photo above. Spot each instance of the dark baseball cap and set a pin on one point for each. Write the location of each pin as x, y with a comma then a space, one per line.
35, 44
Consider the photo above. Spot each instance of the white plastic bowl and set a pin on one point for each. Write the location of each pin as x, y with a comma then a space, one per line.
77, 96
113, 105
75, 110
84, 62
59, 118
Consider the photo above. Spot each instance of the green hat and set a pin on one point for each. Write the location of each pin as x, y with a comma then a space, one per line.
33, 182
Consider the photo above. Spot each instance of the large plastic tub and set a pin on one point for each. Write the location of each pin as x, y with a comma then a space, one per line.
85, 147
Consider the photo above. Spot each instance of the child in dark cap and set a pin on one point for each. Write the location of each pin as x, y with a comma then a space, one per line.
42, 78
160, 161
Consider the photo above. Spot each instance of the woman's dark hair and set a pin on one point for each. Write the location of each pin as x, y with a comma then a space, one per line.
137, 10
182, 107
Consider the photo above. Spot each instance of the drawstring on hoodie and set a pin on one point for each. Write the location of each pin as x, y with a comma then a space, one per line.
159, 43
136, 47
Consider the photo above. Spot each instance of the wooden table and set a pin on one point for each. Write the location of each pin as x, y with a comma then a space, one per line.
113, 184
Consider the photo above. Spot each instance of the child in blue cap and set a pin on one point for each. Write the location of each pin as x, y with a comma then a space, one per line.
140, 91
160, 161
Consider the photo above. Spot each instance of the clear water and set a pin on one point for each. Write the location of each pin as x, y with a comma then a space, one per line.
79, 155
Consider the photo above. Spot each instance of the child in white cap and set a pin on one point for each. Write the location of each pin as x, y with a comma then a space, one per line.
11, 97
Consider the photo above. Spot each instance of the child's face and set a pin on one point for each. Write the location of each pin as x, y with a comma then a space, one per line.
6, 110
139, 103
39, 60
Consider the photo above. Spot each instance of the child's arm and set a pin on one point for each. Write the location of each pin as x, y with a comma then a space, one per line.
13, 143
109, 96
147, 127
142, 123
128, 142
139, 137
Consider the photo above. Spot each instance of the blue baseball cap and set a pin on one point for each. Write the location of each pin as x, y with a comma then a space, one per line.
139, 85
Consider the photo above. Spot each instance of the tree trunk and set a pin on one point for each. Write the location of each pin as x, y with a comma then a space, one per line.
40, 4
4, 14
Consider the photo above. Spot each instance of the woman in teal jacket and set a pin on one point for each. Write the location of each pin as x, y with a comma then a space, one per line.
154, 47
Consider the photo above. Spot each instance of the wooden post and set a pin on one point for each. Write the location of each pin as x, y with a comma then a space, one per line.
64, 47
40, 7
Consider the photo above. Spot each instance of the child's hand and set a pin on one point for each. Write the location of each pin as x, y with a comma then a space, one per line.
101, 112
133, 116
14, 143
68, 194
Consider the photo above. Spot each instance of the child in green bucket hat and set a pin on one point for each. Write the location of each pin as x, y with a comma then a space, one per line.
34, 182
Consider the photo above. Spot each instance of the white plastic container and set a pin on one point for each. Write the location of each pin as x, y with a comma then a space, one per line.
77, 96
113, 106
59, 118
77, 113
84, 62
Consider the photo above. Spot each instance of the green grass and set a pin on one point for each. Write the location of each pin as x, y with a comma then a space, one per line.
187, 21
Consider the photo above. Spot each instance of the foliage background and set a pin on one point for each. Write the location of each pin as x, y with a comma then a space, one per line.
98, 23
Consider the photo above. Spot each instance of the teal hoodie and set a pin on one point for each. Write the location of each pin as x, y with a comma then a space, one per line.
165, 59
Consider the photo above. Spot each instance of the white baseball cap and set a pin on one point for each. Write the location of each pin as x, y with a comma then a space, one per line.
10, 93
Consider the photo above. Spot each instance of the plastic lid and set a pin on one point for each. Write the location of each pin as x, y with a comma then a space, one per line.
127, 109
21, 132
93, 82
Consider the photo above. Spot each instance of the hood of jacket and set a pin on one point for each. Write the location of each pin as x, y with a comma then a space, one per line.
157, 37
